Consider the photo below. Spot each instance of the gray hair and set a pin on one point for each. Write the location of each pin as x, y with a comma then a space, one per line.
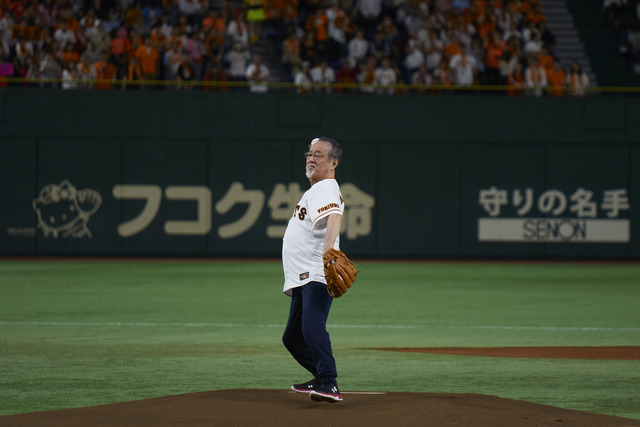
336, 149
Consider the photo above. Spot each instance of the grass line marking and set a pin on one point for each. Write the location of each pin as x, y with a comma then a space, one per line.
253, 325
364, 392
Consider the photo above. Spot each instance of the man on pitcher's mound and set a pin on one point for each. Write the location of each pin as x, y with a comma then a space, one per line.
316, 271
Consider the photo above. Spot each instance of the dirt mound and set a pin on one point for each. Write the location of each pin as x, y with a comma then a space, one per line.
284, 408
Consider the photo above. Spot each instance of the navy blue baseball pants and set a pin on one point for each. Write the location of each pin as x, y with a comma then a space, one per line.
306, 335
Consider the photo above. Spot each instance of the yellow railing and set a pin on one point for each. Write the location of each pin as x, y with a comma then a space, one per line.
334, 87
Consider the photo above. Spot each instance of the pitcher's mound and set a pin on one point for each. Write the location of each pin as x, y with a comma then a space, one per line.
285, 408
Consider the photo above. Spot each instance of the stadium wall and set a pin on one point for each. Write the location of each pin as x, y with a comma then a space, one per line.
218, 174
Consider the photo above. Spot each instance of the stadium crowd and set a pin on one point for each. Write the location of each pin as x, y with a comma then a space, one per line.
375, 46
624, 18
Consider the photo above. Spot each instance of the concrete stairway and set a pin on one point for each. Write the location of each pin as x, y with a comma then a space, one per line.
269, 48
568, 46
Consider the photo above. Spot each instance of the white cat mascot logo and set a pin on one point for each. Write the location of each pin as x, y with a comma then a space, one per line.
64, 211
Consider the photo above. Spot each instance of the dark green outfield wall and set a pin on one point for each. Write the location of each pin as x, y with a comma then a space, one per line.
199, 174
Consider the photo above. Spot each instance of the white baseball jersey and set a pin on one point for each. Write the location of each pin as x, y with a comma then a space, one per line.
305, 234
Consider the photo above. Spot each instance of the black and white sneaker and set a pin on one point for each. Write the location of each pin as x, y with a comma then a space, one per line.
327, 392
304, 387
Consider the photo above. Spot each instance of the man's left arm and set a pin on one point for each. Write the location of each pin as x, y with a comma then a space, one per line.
333, 229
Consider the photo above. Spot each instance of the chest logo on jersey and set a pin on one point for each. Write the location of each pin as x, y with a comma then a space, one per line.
301, 212
304, 276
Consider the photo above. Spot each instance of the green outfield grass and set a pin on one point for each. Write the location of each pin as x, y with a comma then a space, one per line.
81, 333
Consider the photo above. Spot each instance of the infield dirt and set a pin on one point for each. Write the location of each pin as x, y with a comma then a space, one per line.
281, 408
287, 408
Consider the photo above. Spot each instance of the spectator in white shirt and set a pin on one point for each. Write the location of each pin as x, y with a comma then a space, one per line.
358, 47
535, 77
257, 74
302, 79
464, 68
323, 76
385, 77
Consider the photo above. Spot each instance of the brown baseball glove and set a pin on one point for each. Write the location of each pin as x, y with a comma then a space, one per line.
339, 272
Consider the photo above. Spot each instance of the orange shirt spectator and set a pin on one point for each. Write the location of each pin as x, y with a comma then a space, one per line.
72, 23
369, 77
546, 60
486, 27
158, 39
105, 70
556, 78
452, 49
494, 50
121, 44
535, 15
135, 41
69, 55
318, 24
213, 20
322, 31
149, 59
291, 52
66, 17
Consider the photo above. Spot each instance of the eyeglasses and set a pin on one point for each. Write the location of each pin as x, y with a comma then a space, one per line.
317, 155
